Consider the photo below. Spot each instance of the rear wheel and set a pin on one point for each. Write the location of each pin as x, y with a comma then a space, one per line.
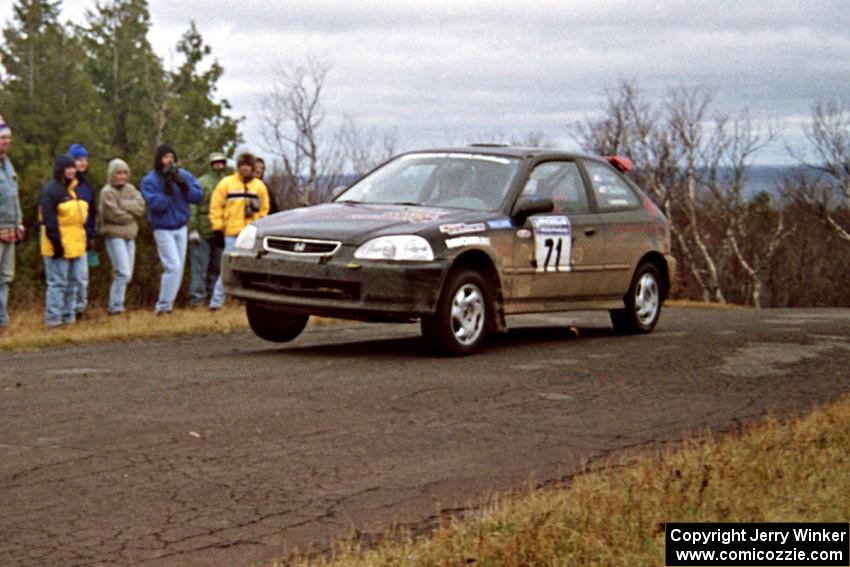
643, 303
464, 312
273, 324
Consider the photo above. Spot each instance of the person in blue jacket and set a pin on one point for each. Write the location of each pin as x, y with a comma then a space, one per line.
85, 192
168, 191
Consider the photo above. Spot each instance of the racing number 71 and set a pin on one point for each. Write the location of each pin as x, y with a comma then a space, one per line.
552, 247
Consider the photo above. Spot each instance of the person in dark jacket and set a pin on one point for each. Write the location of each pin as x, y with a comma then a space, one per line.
204, 254
85, 192
63, 241
168, 192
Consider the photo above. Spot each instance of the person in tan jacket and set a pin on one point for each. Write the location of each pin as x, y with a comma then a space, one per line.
119, 208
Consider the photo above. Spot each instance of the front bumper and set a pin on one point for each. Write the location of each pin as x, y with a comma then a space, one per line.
336, 286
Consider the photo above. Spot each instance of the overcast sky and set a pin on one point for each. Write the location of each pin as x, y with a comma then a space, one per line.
442, 72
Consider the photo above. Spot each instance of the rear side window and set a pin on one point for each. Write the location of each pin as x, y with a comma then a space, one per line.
611, 191
561, 182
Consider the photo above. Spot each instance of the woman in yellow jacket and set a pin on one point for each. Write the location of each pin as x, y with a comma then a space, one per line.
63, 241
237, 201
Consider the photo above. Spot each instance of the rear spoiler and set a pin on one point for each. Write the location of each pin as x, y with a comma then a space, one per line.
623, 164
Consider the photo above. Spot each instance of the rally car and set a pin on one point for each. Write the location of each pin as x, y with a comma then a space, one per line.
459, 238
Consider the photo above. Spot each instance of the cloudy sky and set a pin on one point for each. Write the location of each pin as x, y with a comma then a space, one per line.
450, 71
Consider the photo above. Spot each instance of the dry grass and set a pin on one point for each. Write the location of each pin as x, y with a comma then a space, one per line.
688, 303
773, 471
27, 331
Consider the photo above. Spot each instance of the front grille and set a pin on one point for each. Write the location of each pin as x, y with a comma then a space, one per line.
300, 246
300, 287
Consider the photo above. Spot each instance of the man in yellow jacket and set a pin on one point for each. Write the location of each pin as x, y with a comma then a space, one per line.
237, 201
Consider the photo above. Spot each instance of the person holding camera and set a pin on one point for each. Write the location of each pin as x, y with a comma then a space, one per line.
238, 200
168, 192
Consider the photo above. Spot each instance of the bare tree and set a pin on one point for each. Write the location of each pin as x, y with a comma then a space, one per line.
754, 230
362, 149
828, 135
292, 121
693, 166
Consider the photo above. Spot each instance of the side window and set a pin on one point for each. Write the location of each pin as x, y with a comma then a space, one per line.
611, 191
561, 182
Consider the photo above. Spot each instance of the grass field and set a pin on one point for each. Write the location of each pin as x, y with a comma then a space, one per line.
793, 470
27, 330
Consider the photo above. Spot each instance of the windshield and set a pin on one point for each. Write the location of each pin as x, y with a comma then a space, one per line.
454, 180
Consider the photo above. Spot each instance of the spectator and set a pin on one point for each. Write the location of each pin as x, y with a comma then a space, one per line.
260, 173
119, 206
86, 193
63, 241
204, 255
168, 191
11, 221
237, 201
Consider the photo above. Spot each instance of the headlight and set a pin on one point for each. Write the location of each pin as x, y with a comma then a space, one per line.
247, 238
408, 247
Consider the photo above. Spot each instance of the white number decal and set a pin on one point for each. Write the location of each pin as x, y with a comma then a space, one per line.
552, 244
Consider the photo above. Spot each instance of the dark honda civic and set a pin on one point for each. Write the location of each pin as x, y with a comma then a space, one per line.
459, 238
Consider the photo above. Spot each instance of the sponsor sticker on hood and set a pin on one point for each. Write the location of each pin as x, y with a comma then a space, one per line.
462, 228
467, 241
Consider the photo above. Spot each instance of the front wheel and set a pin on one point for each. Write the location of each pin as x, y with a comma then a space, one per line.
643, 303
459, 325
275, 325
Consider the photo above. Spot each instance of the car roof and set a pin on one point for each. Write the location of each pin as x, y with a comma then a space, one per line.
507, 151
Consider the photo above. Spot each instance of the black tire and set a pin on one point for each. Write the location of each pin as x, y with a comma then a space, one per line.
445, 331
273, 324
643, 303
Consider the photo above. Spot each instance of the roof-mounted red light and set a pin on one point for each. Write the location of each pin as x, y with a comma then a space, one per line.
622, 163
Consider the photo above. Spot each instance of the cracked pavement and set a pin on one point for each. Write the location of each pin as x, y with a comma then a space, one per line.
226, 450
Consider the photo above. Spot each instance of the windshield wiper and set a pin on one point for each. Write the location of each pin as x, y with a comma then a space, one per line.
410, 204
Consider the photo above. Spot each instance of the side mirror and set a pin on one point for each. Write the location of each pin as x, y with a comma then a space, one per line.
337, 191
524, 208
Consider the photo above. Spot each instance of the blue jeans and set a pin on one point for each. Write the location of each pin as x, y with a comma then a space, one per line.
82, 297
171, 246
62, 284
205, 263
7, 274
218, 292
122, 256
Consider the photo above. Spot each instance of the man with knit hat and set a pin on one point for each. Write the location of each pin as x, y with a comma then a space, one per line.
168, 192
11, 221
204, 254
85, 192
237, 201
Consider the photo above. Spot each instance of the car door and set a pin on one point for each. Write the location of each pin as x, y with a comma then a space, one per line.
625, 226
555, 254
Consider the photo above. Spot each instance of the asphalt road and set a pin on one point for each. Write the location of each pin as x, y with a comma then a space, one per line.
225, 450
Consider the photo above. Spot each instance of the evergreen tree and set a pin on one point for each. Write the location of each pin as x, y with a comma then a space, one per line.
129, 78
196, 122
49, 101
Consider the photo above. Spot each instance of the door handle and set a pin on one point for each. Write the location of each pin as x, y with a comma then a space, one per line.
589, 231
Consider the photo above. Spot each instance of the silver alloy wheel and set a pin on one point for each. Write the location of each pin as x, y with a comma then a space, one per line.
468, 314
646, 299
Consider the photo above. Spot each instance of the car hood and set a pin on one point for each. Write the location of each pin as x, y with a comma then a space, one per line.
354, 223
